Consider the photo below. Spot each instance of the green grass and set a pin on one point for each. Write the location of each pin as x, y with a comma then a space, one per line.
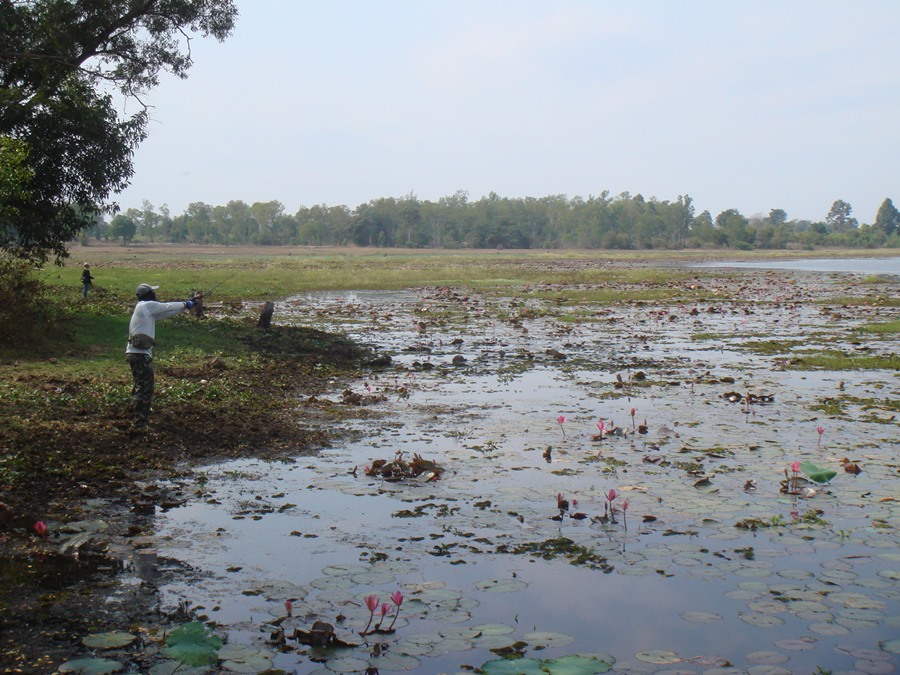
771, 346
836, 360
877, 301
272, 275
886, 328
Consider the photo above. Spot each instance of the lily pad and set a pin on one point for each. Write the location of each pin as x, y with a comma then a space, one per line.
344, 570
492, 629
548, 639
762, 620
576, 665
192, 645
172, 667
394, 662
828, 629
767, 657
111, 640
701, 617
347, 664
659, 657
892, 646
244, 659
91, 666
501, 585
513, 667
817, 473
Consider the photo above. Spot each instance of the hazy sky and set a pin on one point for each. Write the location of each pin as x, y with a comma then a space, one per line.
747, 105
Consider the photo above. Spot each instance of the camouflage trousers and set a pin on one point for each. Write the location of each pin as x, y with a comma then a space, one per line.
142, 389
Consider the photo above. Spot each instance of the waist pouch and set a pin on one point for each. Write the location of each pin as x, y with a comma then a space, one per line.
141, 341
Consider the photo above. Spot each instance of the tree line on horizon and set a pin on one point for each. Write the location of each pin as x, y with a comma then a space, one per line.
624, 221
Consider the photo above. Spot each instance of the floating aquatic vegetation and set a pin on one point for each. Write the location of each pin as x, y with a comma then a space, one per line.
575, 664
91, 666
192, 645
419, 468
817, 473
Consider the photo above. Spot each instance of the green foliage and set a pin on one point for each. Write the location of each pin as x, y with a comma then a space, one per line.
25, 314
59, 57
124, 227
886, 328
888, 218
15, 177
837, 360
625, 222
817, 473
192, 645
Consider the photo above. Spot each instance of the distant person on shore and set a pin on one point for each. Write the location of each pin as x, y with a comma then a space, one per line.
86, 280
141, 338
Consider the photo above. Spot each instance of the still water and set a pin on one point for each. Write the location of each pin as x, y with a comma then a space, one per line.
712, 568
849, 265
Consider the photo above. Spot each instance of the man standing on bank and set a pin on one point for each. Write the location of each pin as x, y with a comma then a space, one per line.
86, 280
141, 338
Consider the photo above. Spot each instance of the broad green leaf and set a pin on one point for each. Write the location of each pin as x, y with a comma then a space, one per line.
817, 473
576, 665
111, 640
192, 645
91, 666
513, 667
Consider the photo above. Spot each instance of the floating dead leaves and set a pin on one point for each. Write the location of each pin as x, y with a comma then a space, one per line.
850, 467
320, 635
561, 547
749, 399
418, 469
349, 397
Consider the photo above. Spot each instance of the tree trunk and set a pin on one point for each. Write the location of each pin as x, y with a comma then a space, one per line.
265, 319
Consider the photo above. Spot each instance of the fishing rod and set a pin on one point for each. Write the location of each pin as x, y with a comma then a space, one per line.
218, 285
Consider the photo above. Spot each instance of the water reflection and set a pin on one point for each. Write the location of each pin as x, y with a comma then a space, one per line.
681, 578
848, 265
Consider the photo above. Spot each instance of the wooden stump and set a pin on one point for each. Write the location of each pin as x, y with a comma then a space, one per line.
265, 319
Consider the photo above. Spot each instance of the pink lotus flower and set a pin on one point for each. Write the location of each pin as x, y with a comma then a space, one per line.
611, 494
795, 467
601, 425
384, 609
633, 413
397, 599
371, 605
821, 431
560, 421
41, 528
289, 607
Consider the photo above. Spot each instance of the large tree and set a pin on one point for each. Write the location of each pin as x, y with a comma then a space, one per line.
888, 218
839, 218
59, 61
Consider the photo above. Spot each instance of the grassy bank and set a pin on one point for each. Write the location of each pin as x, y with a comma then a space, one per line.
224, 388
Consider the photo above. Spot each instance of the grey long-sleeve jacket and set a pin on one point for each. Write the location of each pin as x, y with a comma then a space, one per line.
144, 318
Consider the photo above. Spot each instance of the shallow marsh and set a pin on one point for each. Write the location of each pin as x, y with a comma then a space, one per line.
712, 569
